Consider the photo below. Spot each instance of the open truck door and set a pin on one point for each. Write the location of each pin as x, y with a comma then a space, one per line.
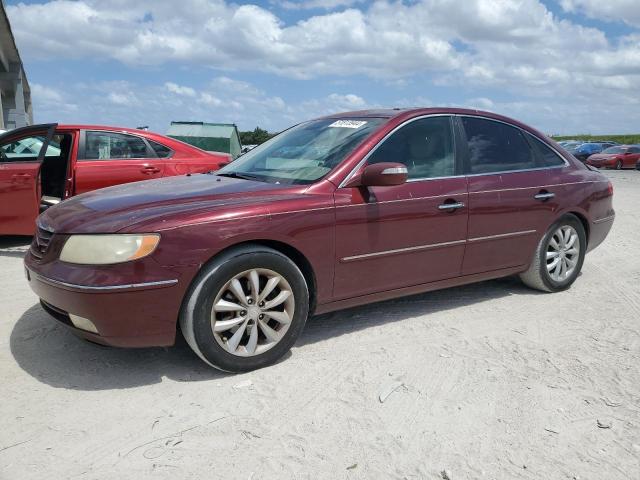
21, 154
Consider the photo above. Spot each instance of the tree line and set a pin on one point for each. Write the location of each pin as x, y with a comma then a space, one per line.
255, 137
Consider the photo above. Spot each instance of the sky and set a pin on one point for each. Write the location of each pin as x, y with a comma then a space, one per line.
562, 66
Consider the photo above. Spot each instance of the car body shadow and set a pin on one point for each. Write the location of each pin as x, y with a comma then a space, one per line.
14, 246
49, 352
403, 308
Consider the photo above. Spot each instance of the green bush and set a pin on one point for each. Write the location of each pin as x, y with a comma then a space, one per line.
631, 139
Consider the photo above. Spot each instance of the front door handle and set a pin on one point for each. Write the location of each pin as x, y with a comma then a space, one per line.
451, 206
20, 176
544, 196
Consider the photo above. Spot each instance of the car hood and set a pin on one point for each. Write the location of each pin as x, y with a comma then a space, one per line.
164, 201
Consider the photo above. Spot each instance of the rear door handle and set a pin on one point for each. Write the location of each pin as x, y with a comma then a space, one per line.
451, 206
543, 196
149, 169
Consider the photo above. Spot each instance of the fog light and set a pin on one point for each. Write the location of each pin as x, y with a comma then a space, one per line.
83, 323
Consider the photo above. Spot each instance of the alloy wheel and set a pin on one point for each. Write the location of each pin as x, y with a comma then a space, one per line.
563, 252
252, 312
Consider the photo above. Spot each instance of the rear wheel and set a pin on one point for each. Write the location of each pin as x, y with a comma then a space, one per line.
559, 256
246, 309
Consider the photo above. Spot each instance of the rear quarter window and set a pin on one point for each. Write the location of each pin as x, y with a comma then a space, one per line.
544, 155
161, 150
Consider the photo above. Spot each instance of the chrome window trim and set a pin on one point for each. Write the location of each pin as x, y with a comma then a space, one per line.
524, 132
92, 288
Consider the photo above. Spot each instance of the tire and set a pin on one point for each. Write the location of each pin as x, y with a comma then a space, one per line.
619, 165
538, 275
215, 284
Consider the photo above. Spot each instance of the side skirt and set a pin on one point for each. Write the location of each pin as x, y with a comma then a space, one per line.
415, 289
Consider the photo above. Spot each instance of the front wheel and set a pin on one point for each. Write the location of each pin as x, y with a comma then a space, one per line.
246, 309
559, 256
619, 165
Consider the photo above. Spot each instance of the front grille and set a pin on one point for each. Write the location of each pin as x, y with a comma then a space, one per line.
41, 242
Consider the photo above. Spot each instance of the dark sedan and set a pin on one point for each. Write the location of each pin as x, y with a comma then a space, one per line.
332, 213
585, 150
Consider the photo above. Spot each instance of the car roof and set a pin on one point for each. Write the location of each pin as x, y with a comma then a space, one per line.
164, 139
110, 128
401, 114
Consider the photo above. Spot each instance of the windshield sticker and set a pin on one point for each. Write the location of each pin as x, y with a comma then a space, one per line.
348, 123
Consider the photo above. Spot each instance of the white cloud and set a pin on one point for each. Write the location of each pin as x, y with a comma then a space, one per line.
224, 99
627, 11
51, 98
517, 46
179, 89
126, 99
477, 42
315, 4
46, 94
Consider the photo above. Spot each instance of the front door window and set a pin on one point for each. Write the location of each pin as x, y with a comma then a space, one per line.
425, 146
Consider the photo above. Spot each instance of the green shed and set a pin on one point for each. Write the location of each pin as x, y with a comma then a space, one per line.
213, 137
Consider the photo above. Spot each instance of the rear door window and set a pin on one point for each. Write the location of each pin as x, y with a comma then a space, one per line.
109, 145
496, 147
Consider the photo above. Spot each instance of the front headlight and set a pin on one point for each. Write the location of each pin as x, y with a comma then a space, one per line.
107, 249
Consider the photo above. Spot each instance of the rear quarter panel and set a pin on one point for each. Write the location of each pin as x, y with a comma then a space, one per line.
586, 193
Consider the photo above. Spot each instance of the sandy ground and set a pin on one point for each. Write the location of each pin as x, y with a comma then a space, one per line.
486, 381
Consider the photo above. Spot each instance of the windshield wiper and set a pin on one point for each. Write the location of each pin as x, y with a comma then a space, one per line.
244, 176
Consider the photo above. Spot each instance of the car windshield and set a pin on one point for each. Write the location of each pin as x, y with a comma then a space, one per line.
614, 150
305, 153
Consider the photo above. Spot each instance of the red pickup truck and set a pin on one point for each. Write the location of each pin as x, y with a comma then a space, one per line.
41, 165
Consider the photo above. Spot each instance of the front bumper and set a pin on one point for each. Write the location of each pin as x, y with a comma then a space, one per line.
598, 163
127, 314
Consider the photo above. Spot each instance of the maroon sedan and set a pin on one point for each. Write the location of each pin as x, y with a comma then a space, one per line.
618, 157
332, 213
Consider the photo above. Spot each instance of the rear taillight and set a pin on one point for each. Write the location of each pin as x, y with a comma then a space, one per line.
610, 188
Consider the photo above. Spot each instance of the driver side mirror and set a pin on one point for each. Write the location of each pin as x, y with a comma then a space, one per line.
384, 174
